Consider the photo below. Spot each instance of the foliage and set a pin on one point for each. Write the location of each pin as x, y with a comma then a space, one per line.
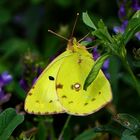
9, 120
26, 48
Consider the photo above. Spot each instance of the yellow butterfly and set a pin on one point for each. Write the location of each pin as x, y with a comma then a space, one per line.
59, 89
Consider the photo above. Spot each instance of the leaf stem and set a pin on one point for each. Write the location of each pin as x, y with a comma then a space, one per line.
127, 66
64, 127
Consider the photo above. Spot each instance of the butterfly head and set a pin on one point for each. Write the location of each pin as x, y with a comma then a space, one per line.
74, 45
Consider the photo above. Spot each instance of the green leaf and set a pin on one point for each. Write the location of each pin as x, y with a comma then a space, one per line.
102, 32
137, 14
9, 120
88, 21
64, 3
114, 69
112, 44
109, 128
13, 45
128, 122
87, 135
127, 135
95, 70
19, 92
36, 1
132, 28
5, 16
23, 137
128, 79
127, 132
85, 43
42, 131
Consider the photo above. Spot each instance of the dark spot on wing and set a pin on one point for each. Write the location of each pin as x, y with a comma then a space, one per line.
72, 87
99, 92
93, 99
32, 112
51, 78
64, 96
63, 111
76, 113
70, 102
85, 113
60, 86
37, 101
30, 93
86, 104
79, 60
55, 112
50, 101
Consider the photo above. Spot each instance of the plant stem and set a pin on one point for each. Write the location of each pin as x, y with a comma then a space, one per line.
64, 127
132, 75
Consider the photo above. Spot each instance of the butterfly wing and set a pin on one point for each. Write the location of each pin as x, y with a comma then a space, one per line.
42, 98
69, 86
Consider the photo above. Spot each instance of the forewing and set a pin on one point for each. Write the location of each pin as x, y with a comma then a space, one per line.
42, 98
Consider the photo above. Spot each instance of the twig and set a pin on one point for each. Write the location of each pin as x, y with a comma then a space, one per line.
64, 127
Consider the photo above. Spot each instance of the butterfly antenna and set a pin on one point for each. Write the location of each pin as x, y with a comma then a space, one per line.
74, 25
83, 38
58, 35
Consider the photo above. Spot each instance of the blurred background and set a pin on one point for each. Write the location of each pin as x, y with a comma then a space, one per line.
26, 48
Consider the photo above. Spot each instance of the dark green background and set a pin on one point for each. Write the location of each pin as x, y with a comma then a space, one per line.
24, 34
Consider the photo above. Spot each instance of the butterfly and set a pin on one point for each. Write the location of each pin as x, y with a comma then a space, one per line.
59, 88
